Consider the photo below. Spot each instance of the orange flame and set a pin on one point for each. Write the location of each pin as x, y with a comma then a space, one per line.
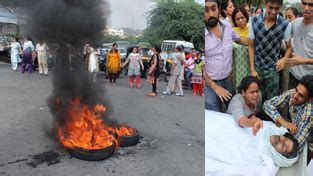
86, 129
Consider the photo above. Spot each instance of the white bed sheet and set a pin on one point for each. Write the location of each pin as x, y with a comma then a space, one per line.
232, 150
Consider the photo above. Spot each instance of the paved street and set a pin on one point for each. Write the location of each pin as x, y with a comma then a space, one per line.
172, 130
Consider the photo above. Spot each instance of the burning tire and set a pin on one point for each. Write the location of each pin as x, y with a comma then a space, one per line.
130, 140
93, 155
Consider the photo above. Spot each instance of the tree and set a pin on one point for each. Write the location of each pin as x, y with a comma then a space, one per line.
176, 21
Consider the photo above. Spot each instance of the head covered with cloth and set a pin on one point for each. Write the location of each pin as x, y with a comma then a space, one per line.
281, 146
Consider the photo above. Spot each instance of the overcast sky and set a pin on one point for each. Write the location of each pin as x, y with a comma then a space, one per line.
129, 13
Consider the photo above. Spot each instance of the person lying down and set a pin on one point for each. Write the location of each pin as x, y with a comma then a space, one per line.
231, 150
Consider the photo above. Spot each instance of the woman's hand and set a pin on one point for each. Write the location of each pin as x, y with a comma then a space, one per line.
258, 124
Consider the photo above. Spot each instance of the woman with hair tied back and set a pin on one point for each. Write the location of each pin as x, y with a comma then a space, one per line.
246, 104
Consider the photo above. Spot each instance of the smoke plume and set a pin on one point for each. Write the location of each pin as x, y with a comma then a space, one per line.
65, 25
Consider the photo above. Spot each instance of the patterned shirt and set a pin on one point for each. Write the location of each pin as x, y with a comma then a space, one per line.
219, 51
268, 41
300, 115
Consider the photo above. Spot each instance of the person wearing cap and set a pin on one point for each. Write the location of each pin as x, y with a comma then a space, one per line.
300, 110
219, 37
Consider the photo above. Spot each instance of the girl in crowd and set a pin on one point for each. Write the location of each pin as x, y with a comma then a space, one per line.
197, 78
41, 49
258, 11
227, 8
291, 13
154, 70
240, 66
15, 51
135, 62
246, 104
28, 49
246, 6
113, 64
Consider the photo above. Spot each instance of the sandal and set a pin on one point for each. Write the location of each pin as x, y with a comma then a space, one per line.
151, 94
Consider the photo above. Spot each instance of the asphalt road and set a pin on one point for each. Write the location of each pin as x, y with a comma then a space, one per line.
172, 130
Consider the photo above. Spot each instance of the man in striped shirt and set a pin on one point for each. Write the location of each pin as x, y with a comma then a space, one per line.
299, 102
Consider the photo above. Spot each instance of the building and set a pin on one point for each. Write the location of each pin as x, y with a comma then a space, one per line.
8, 21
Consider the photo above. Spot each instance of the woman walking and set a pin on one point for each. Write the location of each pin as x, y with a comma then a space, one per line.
15, 50
41, 49
134, 60
113, 64
176, 73
28, 49
154, 70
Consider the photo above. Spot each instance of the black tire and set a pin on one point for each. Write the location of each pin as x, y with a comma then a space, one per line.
93, 155
127, 141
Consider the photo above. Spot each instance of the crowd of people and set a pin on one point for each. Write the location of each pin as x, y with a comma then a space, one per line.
268, 56
184, 67
25, 54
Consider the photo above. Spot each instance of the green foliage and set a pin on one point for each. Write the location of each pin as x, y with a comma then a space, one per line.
176, 21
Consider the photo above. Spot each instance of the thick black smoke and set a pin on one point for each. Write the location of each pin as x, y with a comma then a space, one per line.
67, 25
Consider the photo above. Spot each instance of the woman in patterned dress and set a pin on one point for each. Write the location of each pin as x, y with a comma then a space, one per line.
135, 62
197, 76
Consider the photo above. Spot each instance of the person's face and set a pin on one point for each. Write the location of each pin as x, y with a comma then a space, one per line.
135, 50
247, 8
211, 14
259, 11
300, 95
240, 20
307, 9
272, 10
281, 144
229, 9
289, 15
114, 46
251, 94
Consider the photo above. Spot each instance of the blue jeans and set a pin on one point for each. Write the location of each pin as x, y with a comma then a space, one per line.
212, 101
188, 75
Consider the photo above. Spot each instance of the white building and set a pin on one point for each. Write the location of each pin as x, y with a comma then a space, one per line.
115, 31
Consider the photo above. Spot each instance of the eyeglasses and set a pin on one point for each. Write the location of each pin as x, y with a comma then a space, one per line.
307, 4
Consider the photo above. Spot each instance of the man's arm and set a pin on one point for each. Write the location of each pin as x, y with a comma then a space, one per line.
222, 93
281, 63
271, 107
298, 60
251, 58
305, 125
243, 41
